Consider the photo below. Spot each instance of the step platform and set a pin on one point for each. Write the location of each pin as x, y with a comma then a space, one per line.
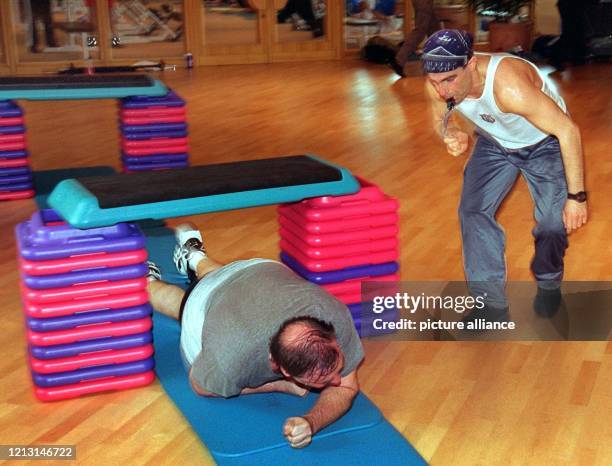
72, 87
86, 307
98, 201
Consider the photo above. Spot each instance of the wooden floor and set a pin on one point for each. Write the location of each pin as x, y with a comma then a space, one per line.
458, 403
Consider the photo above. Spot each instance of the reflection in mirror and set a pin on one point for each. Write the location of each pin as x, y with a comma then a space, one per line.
301, 20
143, 28
230, 22
368, 18
484, 17
53, 30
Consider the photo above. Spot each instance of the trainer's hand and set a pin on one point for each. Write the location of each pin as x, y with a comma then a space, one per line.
298, 432
574, 215
456, 142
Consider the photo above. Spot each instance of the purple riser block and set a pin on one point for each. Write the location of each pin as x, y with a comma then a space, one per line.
15, 171
37, 242
335, 276
161, 158
4, 180
10, 111
14, 154
153, 128
169, 100
12, 129
89, 318
7, 104
101, 344
60, 280
389, 315
154, 135
358, 309
98, 372
16, 187
155, 166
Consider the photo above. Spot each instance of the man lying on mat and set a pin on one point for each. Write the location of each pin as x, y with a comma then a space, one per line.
254, 326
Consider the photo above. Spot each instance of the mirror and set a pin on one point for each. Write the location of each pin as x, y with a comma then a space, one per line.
367, 18
143, 28
230, 22
301, 20
54, 30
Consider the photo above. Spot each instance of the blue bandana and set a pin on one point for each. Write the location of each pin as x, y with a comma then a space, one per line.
446, 50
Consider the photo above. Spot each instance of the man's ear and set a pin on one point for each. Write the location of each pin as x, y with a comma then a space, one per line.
472, 62
273, 365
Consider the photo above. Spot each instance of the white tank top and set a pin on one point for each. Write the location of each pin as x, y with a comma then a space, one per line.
508, 129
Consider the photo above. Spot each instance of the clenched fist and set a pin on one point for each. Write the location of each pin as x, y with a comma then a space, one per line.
456, 142
574, 215
298, 432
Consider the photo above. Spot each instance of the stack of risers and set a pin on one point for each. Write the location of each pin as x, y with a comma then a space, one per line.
15, 173
86, 307
339, 242
153, 133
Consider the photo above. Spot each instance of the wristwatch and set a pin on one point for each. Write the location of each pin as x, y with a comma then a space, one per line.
580, 196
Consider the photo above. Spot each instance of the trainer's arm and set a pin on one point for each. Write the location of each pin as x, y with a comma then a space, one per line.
437, 110
517, 90
332, 404
456, 140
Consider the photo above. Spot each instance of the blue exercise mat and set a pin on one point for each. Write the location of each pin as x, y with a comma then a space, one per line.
247, 430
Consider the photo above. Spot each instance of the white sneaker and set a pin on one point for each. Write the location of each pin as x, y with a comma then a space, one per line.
189, 249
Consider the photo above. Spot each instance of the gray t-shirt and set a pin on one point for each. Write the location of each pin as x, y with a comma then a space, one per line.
246, 310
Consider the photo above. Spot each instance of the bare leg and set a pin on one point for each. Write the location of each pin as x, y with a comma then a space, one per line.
206, 265
165, 298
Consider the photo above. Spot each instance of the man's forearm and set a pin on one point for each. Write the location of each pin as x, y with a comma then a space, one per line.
571, 152
332, 404
282, 386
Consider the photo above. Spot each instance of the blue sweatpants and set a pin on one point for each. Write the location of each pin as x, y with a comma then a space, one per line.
489, 175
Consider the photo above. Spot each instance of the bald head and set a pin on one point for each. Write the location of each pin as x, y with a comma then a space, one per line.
306, 346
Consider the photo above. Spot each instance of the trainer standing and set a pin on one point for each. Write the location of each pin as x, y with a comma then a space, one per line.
523, 128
